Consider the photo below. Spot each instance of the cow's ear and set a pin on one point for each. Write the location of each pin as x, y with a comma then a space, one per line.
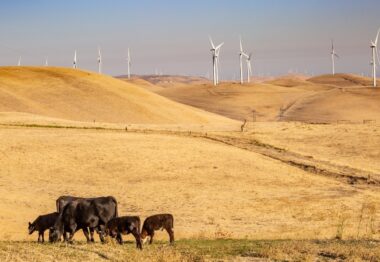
30, 224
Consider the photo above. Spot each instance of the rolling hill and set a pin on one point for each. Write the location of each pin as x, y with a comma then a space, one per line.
84, 96
323, 98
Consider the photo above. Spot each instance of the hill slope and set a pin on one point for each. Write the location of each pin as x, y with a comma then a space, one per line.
84, 96
323, 98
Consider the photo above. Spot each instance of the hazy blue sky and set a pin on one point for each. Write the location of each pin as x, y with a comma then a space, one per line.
172, 35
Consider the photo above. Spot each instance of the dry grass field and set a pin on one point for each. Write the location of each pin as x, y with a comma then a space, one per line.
285, 191
323, 99
83, 96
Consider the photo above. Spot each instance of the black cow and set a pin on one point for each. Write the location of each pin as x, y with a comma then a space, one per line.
42, 223
62, 201
124, 225
93, 213
157, 222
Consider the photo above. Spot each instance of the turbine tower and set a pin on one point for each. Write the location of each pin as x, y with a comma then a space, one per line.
249, 67
375, 57
99, 61
19, 61
333, 55
46, 61
129, 64
75, 65
215, 61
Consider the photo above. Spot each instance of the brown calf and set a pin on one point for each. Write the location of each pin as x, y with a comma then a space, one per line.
124, 225
157, 222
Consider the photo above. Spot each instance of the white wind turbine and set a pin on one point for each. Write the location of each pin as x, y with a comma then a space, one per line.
75, 65
46, 61
333, 55
375, 57
129, 64
241, 54
19, 61
215, 63
249, 67
99, 61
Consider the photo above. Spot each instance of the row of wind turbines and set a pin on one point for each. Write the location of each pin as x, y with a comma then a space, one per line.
215, 51
100, 61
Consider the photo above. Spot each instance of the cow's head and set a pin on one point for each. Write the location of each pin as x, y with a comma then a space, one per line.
144, 236
31, 228
55, 234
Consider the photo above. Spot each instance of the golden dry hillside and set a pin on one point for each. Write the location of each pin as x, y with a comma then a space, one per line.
84, 96
324, 98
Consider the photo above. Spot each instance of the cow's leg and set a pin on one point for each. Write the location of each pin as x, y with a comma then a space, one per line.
151, 235
136, 234
72, 231
85, 232
43, 237
171, 234
92, 234
39, 236
101, 233
119, 238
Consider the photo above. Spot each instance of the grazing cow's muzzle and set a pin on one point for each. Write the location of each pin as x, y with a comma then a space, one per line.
31, 228
54, 235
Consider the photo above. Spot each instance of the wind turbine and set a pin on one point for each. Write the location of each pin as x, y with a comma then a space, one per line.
215, 57
75, 65
249, 67
241, 54
375, 55
46, 61
129, 64
19, 61
333, 55
99, 61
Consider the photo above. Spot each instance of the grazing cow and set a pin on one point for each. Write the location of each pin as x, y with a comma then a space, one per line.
42, 223
124, 225
157, 222
93, 213
61, 202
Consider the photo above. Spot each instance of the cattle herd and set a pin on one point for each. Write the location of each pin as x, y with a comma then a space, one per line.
98, 214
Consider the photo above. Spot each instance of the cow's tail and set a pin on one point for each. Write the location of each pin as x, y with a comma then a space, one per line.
172, 222
116, 209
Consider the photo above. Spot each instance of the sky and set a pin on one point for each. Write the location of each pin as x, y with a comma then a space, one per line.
171, 36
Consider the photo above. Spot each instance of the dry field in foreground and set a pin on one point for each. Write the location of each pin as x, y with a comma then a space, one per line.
196, 250
214, 190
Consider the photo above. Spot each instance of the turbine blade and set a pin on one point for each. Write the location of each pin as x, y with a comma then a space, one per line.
377, 37
377, 55
219, 46
211, 42
241, 46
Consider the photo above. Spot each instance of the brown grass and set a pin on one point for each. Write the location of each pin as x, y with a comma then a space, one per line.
84, 96
190, 177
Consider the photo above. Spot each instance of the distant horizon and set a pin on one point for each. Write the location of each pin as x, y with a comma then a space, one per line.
172, 37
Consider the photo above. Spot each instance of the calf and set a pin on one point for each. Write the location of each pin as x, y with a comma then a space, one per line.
124, 225
157, 222
41, 224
